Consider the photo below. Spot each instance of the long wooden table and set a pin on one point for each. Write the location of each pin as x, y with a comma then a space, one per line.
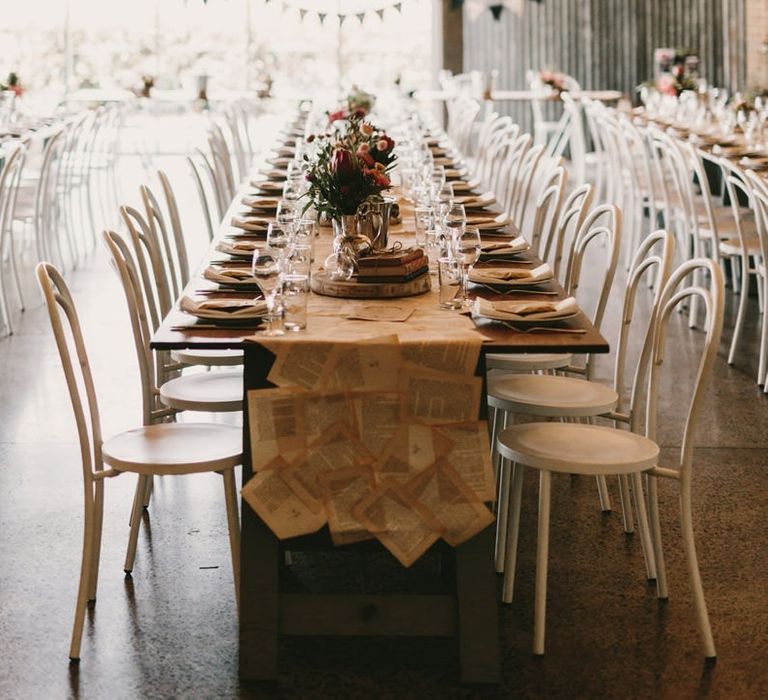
468, 612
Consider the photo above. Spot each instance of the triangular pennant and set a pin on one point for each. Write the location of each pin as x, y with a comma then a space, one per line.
321, 16
380, 13
302, 13
398, 6
361, 17
496, 11
341, 19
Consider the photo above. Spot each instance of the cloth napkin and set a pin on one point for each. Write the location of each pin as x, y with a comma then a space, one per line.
228, 274
472, 200
238, 247
250, 223
510, 275
504, 247
524, 310
223, 308
260, 202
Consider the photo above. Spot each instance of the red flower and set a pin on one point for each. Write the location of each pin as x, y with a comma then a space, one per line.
359, 112
343, 164
337, 115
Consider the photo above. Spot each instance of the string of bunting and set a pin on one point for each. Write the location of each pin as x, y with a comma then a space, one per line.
341, 17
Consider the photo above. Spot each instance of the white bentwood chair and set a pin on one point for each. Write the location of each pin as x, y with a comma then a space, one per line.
577, 448
166, 448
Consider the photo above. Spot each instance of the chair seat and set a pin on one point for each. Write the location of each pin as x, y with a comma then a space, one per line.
575, 448
175, 448
208, 358
732, 246
544, 395
527, 362
207, 391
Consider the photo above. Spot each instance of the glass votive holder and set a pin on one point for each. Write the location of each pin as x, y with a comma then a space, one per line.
449, 281
295, 296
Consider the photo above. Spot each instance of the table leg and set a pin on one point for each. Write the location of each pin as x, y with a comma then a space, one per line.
478, 610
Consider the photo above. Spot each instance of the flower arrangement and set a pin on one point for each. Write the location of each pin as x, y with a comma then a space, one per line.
349, 168
555, 81
13, 84
358, 103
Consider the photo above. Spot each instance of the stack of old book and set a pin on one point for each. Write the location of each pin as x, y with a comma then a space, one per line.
400, 266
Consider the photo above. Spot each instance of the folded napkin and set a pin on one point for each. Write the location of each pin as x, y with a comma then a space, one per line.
250, 223
267, 185
256, 202
229, 274
273, 173
473, 200
504, 247
510, 275
525, 310
238, 247
223, 308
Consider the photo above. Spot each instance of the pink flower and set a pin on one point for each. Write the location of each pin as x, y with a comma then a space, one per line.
343, 164
382, 145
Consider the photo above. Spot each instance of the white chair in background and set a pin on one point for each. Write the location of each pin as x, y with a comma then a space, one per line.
760, 201
10, 175
578, 448
543, 129
167, 448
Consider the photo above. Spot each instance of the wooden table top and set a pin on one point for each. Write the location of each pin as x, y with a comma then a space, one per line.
427, 319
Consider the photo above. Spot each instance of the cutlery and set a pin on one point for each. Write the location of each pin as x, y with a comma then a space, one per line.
517, 290
215, 327
543, 329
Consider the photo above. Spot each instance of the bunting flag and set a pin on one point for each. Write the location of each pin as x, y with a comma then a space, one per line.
496, 10
305, 7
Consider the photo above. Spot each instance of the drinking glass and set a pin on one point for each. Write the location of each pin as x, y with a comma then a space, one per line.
434, 244
299, 260
455, 219
466, 250
295, 294
304, 233
438, 178
266, 269
285, 216
277, 237
423, 220
449, 281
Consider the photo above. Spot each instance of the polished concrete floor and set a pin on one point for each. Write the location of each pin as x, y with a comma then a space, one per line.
170, 631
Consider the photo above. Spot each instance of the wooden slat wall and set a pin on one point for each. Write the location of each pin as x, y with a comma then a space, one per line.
606, 44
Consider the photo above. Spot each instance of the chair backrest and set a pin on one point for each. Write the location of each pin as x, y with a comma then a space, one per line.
166, 244
547, 211
124, 265
205, 167
506, 180
222, 161
45, 194
676, 291
654, 256
572, 214
180, 245
74, 361
9, 183
760, 207
602, 225
737, 188
203, 196
523, 183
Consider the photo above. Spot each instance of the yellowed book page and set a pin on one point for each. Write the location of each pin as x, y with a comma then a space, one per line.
276, 423
302, 364
338, 449
378, 417
275, 502
342, 489
323, 411
439, 397
399, 521
370, 365
459, 356
456, 506
470, 456
413, 447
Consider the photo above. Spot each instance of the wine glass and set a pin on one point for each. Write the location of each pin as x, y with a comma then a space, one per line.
466, 250
285, 216
266, 269
455, 219
278, 237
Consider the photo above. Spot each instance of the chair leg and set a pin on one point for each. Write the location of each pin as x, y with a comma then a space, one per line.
542, 557
233, 520
642, 523
603, 495
763, 357
133, 537
689, 545
743, 298
658, 550
627, 516
513, 525
502, 513
147, 495
85, 575
14, 266
98, 521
